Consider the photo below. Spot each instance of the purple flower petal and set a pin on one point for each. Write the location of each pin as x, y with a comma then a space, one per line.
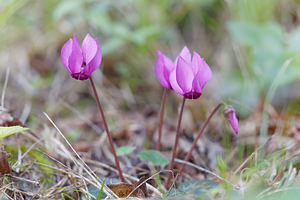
66, 52
196, 62
184, 75
232, 119
93, 64
163, 68
197, 87
89, 48
202, 69
174, 83
185, 54
75, 59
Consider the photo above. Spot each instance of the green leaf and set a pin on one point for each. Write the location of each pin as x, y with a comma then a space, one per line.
124, 150
6, 131
96, 191
194, 187
154, 157
64, 194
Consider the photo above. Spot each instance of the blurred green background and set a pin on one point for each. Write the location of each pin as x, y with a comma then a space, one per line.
250, 45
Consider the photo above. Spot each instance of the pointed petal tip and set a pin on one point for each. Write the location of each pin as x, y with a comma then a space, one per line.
159, 53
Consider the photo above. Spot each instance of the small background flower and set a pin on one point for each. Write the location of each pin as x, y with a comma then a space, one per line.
232, 119
81, 62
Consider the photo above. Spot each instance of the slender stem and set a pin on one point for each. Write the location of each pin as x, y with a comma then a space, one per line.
175, 145
187, 157
107, 130
161, 117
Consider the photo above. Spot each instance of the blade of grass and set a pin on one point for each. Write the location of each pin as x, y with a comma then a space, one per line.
265, 118
82, 163
101, 190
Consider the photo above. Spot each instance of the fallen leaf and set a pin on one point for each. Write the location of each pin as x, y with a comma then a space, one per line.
4, 164
122, 190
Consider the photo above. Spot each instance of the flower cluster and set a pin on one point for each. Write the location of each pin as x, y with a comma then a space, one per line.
187, 75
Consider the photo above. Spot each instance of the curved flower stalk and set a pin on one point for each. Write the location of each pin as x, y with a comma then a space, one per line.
231, 117
81, 61
188, 79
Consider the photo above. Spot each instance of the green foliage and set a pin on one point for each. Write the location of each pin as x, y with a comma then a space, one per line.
154, 157
195, 188
222, 165
10, 7
63, 195
254, 10
124, 150
266, 47
267, 51
96, 192
7, 131
37, 156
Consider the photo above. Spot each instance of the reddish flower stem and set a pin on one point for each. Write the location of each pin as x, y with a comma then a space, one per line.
161, 117
187, 157
175, 145
107, 130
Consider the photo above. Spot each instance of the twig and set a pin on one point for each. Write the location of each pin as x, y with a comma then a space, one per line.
79, 114
24, 179
24, 154
242, 165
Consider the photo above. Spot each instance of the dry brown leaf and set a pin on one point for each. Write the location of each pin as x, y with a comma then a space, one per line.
122, 190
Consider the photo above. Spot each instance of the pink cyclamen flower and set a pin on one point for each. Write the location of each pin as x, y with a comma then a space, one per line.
81, 62
232, 119
189, 75
163, 68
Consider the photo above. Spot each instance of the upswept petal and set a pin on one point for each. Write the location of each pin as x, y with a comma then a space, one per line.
169, 65
196, 62
205, 73
185, 54
174, 83
184, 75
162, 69
93, 64
66, 51
89, 48
197, 87
75, 59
